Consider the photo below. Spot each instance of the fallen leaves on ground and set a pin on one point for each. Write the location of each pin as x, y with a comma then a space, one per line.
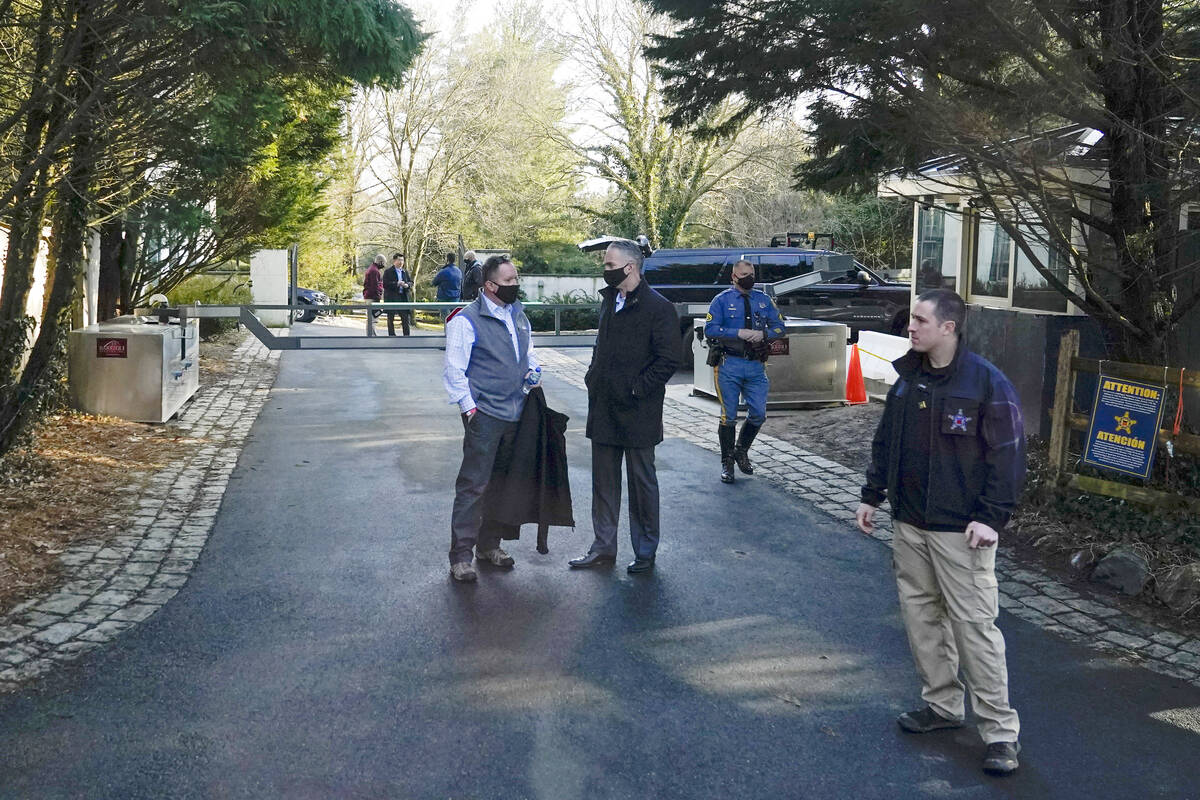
81, 479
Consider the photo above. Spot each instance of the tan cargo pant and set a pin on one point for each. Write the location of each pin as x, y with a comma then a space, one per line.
949, 601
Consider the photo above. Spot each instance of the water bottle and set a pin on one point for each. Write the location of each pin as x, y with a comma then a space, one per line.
532, 379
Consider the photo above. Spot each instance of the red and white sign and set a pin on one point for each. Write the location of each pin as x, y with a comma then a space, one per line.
779, 347
112, 348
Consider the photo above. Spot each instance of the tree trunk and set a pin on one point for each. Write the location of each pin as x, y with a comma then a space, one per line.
20, 406
1135, 96
109, 293
128, 263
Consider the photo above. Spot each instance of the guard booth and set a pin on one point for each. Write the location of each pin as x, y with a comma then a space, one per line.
806, 366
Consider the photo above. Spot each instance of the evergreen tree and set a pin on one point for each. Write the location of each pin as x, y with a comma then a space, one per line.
890, 84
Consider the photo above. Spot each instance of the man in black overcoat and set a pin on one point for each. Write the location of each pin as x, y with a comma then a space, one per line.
396, 289
637, 351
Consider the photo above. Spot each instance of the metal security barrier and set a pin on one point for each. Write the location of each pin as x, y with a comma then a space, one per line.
246, 314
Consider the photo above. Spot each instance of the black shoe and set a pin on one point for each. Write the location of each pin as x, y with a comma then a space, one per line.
725, 435
640, 565
925, 720
1001, 758
592, 560
741, 451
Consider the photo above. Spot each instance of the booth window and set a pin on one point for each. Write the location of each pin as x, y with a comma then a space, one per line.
993, 253
1031, 289
938, 232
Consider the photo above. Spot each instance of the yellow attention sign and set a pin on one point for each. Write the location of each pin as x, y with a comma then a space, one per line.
1116, 438
1125, 420
1148, 392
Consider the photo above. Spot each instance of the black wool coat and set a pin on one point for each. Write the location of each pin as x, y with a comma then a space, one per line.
532, 485
637, 351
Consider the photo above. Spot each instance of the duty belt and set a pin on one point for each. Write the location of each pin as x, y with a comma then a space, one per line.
747, 351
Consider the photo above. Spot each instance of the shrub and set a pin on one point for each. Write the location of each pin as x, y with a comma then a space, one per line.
213, 290
582, 319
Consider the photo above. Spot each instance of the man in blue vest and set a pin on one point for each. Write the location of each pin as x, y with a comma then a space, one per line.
740, 323
488, 359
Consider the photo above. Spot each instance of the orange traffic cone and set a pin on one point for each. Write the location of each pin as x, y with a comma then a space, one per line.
856, 388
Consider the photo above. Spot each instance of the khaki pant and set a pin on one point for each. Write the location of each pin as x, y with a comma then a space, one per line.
948, 598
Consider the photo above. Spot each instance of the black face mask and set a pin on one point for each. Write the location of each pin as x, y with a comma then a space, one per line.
613, 277
746, 281
507, 294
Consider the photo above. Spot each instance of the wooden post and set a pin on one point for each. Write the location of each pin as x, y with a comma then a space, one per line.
1064, 395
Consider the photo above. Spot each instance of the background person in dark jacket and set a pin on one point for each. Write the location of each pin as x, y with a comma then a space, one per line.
472, 276
950, 455
637, 351
396, 285
373, 290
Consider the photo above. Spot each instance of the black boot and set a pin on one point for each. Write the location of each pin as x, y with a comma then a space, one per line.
742, 450
725, 435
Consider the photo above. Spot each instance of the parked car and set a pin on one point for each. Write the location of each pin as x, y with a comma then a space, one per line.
842, 289
313, 298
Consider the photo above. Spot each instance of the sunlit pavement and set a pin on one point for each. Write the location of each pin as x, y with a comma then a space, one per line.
319, 648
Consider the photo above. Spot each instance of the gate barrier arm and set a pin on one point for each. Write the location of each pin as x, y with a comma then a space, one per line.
246, 315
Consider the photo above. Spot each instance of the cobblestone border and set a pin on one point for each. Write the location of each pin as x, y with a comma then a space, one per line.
111, 585
1026, 593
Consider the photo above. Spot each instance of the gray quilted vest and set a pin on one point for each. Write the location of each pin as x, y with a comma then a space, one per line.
494, 373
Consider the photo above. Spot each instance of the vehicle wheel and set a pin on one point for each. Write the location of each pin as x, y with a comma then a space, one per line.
688, 340
307, 315
900, 324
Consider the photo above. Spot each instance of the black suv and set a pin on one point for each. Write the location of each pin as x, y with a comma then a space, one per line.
841, 289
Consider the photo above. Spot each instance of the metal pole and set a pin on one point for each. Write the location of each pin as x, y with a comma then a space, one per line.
293, 278
557, 320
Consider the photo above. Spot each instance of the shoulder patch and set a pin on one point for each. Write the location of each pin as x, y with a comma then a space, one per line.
708, 317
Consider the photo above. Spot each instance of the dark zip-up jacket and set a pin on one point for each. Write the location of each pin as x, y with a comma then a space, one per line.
977, 447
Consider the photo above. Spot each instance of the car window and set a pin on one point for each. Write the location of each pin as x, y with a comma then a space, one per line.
686, 269
772, 267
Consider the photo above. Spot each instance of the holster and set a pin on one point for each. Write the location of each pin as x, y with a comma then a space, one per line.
716, 353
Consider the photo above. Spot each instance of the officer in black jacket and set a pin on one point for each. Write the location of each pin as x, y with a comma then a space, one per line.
949, 454
637, 351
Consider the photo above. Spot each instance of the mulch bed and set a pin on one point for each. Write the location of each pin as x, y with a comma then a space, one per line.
80, 479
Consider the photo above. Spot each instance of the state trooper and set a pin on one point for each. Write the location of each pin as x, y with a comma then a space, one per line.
740, 324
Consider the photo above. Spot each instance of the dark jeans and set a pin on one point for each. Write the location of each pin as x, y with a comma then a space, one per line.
487, 441
405, 322
606, 498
